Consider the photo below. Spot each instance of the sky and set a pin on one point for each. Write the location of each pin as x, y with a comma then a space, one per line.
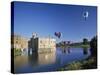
46, 19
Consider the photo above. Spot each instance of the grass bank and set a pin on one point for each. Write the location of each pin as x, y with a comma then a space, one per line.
89, 63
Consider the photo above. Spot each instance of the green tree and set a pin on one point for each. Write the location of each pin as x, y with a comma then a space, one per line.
93, 45
85, 41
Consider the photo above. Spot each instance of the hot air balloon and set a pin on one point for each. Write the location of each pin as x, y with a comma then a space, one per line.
85, 15
57, 34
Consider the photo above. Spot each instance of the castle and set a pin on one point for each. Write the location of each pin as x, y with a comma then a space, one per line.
34, 44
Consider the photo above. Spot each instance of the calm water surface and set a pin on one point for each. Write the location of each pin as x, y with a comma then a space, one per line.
44, 62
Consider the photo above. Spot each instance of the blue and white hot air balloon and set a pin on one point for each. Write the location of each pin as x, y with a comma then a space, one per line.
85, 15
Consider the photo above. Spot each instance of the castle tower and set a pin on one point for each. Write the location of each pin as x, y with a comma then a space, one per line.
34, 35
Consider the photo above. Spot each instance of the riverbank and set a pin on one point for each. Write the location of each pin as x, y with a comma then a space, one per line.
81, 46
76, 46
89, 63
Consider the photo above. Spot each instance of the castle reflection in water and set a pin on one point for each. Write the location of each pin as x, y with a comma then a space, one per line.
35, 59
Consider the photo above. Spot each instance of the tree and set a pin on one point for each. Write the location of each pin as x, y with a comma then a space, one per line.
93, 45
85, 41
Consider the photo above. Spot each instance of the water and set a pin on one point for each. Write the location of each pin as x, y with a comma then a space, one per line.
44, 62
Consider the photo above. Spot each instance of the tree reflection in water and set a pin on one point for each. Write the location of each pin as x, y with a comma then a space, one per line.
85, 51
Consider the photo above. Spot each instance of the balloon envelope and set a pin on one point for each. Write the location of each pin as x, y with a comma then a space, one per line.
57, 34
85, 14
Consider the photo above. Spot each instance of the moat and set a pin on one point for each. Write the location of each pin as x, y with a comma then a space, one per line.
44, 62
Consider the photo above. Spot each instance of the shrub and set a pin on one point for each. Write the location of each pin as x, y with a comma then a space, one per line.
17, 52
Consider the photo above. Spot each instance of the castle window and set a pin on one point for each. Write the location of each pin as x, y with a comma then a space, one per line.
41, 41
17, 42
